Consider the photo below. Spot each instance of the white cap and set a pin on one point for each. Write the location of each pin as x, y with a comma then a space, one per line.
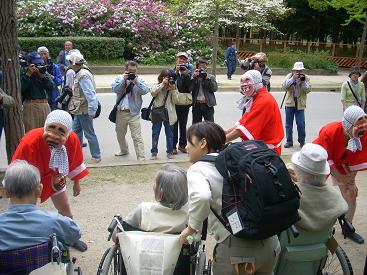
312, 159
75, 58
42, 49
182, 54
298, 66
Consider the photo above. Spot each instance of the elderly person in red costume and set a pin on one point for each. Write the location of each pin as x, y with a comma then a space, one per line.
346, 144
261, 119
55, 150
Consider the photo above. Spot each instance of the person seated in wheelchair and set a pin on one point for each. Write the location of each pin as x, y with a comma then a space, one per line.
320, 204
169, 213
23, 224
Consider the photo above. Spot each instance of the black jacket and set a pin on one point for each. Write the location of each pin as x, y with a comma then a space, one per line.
209, 85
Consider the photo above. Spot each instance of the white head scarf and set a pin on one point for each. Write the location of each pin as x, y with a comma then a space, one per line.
350, 117
256, 79
59, 157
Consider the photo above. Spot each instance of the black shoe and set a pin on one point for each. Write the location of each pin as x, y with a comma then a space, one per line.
301, 144
84, 144
355, 237
80, 246
288, 145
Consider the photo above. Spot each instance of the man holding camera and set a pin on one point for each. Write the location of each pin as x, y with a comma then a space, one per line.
183, 72
129, 89
297, 86
204, 86
54, 73
258, 62
84, 105
35, 84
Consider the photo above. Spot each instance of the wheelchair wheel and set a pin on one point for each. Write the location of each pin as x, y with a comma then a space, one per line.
111, 262
337, 264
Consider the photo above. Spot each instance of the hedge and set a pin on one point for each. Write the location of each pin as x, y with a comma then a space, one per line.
91, 47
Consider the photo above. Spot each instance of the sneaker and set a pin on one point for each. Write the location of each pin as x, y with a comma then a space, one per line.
170, 156
301, 144
174, 152
153, 157
94, 161
119, 154
288, 145
182, 149
355, 237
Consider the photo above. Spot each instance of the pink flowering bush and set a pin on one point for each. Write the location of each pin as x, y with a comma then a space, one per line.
150, 28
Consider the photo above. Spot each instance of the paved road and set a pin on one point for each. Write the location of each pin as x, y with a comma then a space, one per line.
323, 107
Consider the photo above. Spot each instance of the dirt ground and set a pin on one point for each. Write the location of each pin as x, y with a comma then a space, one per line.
117, 190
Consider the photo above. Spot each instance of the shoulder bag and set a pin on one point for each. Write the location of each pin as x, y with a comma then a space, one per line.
355, 97
112, 116
159, 114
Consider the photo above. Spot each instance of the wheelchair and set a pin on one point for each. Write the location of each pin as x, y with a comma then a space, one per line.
191, 259
318, 253
25, 260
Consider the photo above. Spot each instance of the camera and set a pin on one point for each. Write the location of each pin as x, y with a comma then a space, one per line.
172, 80
42, 68
183, 67
302, 77
66, 91
203, 73
131, 76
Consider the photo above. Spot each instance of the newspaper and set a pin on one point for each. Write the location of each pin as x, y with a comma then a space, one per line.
146, 253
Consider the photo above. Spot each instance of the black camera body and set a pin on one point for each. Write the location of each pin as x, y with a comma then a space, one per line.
66, 91
183, 67
42, 68
171, 80
131, 76
203, 73
302, 77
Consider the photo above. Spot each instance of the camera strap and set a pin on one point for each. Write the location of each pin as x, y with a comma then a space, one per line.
355, 97
128, 89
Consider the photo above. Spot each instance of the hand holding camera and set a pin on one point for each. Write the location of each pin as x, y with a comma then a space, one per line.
182, 69
130, 76
202, 73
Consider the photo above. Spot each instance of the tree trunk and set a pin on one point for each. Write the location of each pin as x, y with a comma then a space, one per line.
215, 40
363, 41
14, 129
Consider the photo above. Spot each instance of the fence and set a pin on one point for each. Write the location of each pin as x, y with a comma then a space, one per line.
345, 55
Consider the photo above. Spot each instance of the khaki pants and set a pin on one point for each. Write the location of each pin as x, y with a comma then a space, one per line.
123, 120
263, 254
34, 115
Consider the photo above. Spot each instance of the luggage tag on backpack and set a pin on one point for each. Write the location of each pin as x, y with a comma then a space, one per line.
235, 221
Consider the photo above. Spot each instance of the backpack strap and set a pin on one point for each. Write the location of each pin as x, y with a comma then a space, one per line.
208, 158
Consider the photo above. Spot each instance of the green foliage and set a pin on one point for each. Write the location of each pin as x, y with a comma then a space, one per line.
91, 47
314, 60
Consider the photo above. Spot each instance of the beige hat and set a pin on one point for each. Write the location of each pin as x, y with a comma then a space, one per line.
298, 66
312, 159
261, 57
182, 54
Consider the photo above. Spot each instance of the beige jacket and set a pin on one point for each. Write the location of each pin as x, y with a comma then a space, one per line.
303, 89
174, 98
7, 99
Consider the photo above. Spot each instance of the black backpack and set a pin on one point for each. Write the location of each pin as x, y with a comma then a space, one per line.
259, 199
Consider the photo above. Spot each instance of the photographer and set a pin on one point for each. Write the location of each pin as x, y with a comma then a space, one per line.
35, 84
203, 88
132, 87
297, 86
258, 62
54, 73
183, 72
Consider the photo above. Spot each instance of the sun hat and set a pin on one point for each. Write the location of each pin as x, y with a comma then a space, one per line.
182, 54
312, 159
75, 58
354, 70
298, 66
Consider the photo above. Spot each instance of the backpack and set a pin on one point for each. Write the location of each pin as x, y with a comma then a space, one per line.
259, 199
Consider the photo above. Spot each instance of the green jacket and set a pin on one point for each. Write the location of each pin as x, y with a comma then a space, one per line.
304, 87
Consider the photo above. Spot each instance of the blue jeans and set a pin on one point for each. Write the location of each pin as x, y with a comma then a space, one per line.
290, 113
156, 130
85, 123
231, 68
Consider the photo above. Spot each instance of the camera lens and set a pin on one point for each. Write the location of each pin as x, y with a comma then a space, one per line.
131, 76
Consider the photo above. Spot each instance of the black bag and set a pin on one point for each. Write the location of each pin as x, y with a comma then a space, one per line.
257, 187
99, 108
145, 112
112, 115
159, 114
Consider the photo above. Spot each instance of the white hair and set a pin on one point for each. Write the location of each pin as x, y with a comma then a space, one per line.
305, 177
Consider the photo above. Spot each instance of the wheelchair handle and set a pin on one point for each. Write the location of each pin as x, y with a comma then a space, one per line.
55, 250
113, 225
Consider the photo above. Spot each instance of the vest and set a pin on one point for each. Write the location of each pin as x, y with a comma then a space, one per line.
78, 104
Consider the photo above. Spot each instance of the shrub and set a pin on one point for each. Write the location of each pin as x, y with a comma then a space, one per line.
91, 47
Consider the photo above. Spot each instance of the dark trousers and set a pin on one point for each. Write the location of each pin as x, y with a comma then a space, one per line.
182, 114
231, 68
200, 111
